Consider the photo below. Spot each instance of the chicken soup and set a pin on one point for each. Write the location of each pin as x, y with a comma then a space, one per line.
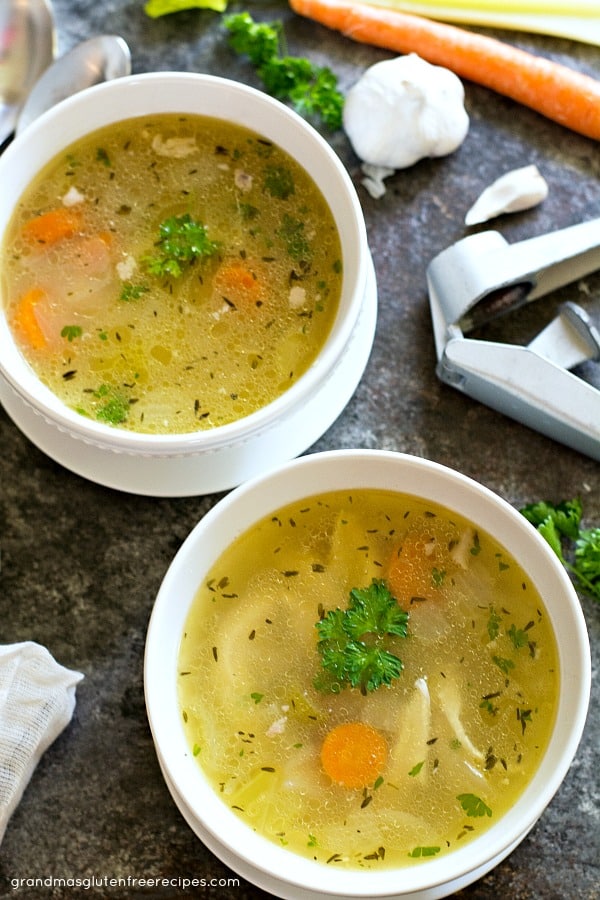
171, 273
367, 679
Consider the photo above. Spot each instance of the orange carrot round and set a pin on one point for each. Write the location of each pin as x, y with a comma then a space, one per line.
556, 91
353, 754
410, 572
53, 226
239, 284
24, 319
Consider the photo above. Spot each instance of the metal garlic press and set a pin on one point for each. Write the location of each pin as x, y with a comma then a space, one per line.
482, 277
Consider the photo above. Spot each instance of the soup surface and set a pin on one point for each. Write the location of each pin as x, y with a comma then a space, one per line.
367, 680
171, 273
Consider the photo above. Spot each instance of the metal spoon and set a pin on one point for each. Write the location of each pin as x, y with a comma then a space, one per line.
99, 59
27, 47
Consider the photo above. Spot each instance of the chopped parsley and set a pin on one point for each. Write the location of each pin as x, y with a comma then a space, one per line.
279, 182
132, 291
352, 642
292, 234
103, 157
115, 406
70, 332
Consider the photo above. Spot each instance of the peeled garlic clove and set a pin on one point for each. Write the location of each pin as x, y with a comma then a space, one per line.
374, 178
520, 189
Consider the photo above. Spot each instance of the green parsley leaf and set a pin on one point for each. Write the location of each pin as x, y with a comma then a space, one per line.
493, 625
311, 89
518, 637
352, 641
181, 241
292, 233
565, 516
577, 548
587, 561
473, 805
505, 665
279, 182
374, 610
70, 332
424, 851
369, 667
131, 291
103, 157
115, 407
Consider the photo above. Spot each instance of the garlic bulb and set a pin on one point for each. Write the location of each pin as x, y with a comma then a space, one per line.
405, 109
520, 189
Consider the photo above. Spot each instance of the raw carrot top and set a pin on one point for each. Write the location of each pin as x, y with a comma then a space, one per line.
353, 754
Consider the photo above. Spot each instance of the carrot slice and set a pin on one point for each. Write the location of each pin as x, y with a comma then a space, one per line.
556, 91
353, 754
24, 319
239, 284
411, 569
53, 226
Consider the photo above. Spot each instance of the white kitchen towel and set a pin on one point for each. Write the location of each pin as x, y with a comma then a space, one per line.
37, 699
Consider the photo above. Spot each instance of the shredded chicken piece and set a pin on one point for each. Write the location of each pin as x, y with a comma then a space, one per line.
449, 697
176, 148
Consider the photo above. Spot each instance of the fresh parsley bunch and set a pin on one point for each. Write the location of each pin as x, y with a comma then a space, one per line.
311, 89
577, 548
352, 641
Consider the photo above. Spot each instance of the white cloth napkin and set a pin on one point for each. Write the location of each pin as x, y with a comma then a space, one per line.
37, 699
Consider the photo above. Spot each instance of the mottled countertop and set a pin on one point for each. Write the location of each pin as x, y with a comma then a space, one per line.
81, 564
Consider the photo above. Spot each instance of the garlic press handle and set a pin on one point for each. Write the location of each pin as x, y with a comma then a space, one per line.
527, 387
482, 265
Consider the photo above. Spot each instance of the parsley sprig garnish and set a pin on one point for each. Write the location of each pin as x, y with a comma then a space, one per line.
311, 89
352, 642
577, 548
181, 241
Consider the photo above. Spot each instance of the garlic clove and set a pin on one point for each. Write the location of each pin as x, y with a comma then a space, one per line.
374, 178
519, 189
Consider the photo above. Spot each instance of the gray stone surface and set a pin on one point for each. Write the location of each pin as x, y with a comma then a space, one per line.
81, 564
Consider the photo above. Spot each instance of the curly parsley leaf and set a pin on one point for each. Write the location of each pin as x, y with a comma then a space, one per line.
352, 642
577, 548
181, 241
374, 610
311, 89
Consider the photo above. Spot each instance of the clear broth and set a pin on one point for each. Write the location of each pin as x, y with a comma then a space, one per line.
465, 724
171, 353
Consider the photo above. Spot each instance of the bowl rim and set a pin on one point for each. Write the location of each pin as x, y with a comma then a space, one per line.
150, 92
246, 504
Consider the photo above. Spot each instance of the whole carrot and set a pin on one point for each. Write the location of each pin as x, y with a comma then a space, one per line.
554, 90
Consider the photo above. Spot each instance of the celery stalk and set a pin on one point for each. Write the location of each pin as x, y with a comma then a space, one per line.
576, 20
